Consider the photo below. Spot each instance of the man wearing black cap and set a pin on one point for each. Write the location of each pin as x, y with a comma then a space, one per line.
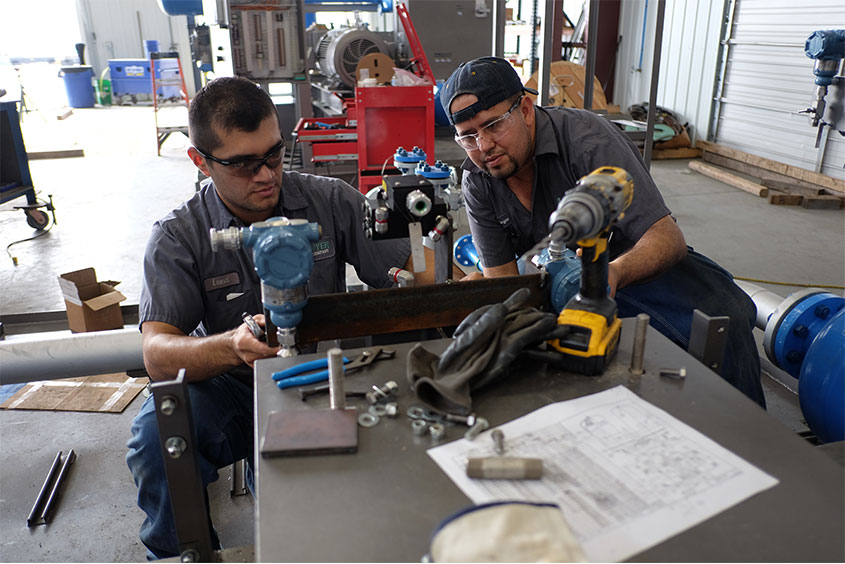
522, 158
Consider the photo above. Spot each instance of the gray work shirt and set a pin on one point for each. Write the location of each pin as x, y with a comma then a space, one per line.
201, 292
569, 144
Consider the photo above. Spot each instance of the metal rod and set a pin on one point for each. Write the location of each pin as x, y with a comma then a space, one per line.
337, 396
590, 66
638, 352
721, 69
31, 520
48, 507
655, 75
546, 53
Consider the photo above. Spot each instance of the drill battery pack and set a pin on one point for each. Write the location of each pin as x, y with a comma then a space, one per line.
589, 340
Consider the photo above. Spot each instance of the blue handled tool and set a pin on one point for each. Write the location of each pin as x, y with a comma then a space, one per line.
290, 377
295, 375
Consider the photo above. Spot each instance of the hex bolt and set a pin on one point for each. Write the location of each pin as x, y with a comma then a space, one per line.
498, 441
676, 373
168, 405
391, 409
190, 555
794, 356
175, 446
419, 427
822, 311
384, 392
800, 331
481, 424
468, 420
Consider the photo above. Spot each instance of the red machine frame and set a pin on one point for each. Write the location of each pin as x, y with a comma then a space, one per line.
378, 120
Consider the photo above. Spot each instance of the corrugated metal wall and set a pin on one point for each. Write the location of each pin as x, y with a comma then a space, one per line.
688, 57
116, 29
768, 79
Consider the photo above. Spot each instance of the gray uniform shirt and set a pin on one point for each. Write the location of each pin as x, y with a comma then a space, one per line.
188, 286
569, 144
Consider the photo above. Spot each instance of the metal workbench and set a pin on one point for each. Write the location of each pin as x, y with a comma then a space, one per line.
382, 503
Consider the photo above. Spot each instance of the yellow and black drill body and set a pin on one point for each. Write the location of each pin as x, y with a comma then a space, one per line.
588, 327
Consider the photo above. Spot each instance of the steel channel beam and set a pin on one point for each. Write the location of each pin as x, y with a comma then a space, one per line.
376, 312
178, 449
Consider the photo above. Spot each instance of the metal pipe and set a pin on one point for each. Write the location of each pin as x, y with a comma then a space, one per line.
31, 520
48, 507
765, 300
70, 355
590, 63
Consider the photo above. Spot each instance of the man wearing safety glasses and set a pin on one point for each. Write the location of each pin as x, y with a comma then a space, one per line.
192, 299
522, 158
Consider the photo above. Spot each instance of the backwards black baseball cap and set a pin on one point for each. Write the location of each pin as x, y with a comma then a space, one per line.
491, 79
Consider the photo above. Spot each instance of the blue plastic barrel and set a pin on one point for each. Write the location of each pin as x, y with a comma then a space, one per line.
150, 46
80, 91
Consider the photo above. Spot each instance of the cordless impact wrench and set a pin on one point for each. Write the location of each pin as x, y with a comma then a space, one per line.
588, 327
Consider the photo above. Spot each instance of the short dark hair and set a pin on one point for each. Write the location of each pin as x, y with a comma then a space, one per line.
228, 103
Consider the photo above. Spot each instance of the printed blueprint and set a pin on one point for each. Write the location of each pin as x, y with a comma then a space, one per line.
626, 474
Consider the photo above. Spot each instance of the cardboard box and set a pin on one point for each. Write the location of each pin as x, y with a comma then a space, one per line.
91, 305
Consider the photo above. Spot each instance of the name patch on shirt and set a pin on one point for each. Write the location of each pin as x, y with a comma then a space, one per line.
322, 249
222, 281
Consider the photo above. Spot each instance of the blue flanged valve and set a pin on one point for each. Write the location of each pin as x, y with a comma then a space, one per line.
283, 258
406, 161
805, 336
465, 252
438, 174
564, 272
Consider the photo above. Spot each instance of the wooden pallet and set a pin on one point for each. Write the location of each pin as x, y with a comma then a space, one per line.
782, 184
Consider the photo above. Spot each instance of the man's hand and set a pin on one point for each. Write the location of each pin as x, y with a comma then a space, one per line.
472, 276
167, 349
247, 347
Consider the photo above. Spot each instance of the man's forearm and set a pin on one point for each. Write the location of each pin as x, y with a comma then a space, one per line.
658, 249
201, 357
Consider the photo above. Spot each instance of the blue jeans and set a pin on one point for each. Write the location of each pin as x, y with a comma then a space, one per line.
221, 409
697, 282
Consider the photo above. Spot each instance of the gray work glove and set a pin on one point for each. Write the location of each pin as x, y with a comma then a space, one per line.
485, 344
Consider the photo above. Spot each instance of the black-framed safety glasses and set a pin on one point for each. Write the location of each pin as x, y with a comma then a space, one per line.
249, 167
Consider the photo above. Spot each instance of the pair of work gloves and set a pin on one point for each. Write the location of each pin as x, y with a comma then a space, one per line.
484, 345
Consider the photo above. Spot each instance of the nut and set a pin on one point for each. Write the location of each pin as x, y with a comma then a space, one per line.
391, 409
437, 430
419, 427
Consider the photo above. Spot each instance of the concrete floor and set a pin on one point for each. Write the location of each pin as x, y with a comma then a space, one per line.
105, 205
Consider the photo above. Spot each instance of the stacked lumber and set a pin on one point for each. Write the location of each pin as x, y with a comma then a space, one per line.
782, 184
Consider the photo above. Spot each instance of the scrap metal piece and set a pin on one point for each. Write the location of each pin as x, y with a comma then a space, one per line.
708, 339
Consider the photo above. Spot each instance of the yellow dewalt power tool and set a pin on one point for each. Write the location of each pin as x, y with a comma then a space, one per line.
588, 328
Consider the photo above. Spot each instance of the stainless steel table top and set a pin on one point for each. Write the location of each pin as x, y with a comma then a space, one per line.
382, 503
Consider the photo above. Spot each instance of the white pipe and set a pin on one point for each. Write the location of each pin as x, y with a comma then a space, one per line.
70, 355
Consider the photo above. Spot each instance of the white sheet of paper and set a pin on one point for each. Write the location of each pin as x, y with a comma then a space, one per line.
626, 474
